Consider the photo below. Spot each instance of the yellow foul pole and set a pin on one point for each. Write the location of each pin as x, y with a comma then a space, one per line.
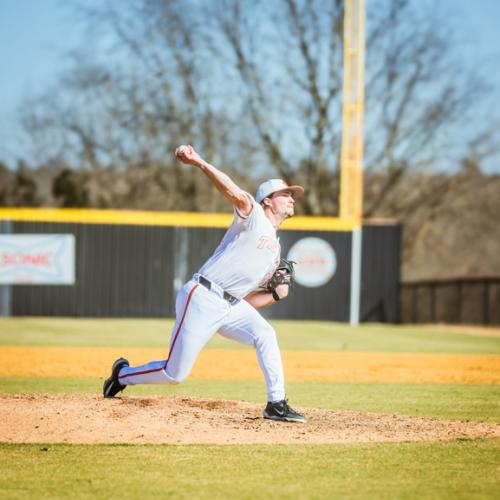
351, 158
351, 162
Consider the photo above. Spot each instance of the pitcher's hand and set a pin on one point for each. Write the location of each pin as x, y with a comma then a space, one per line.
188, 155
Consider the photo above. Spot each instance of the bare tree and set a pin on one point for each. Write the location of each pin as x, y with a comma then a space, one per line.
257, 85
291, 76
136, 104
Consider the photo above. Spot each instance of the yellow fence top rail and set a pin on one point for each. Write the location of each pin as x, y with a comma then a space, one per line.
146, 218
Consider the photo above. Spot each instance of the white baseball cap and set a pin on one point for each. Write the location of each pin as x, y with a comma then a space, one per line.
273, 185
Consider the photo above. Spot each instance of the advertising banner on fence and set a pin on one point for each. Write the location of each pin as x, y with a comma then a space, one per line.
37, 259
316, 261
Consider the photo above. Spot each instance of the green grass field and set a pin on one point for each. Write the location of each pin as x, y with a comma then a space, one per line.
461, 470
293, 335
456, 469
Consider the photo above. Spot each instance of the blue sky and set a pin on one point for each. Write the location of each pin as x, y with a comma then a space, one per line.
35, 35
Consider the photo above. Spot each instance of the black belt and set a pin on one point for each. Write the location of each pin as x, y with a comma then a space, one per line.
208, 284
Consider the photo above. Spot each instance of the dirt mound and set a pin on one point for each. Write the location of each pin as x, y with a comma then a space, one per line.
62, 418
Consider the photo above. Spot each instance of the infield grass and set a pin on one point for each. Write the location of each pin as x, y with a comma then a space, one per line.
292, 335
460, 470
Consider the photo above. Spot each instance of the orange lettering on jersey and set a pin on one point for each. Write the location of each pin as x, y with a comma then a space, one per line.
265, 242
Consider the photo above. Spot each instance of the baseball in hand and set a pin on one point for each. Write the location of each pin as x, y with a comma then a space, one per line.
186, 154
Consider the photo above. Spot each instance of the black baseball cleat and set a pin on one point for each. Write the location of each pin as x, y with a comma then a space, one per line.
111, 385
283, 412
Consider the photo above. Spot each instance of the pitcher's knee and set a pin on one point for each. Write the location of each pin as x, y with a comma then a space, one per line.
265, 336
175, 378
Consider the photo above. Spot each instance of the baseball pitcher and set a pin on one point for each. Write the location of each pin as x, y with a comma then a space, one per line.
244, 273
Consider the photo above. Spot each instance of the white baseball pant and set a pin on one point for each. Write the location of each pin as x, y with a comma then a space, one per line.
200, 313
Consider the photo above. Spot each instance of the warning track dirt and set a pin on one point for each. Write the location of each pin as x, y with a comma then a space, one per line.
225, 364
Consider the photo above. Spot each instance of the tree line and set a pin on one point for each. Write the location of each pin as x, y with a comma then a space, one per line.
450, 221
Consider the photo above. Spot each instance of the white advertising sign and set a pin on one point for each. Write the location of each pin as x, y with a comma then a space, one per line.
316, 261
37, 259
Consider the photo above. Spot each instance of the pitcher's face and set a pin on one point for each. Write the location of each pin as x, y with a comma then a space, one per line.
283, 203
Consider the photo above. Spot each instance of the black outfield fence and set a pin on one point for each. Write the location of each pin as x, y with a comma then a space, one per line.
461, 300
380, 272
133, 266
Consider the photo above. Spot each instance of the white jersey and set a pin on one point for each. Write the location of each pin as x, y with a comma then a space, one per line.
247, 256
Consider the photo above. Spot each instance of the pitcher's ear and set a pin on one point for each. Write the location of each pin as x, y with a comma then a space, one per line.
266, 202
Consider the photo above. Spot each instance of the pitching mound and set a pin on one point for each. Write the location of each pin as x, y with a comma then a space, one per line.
62, 418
